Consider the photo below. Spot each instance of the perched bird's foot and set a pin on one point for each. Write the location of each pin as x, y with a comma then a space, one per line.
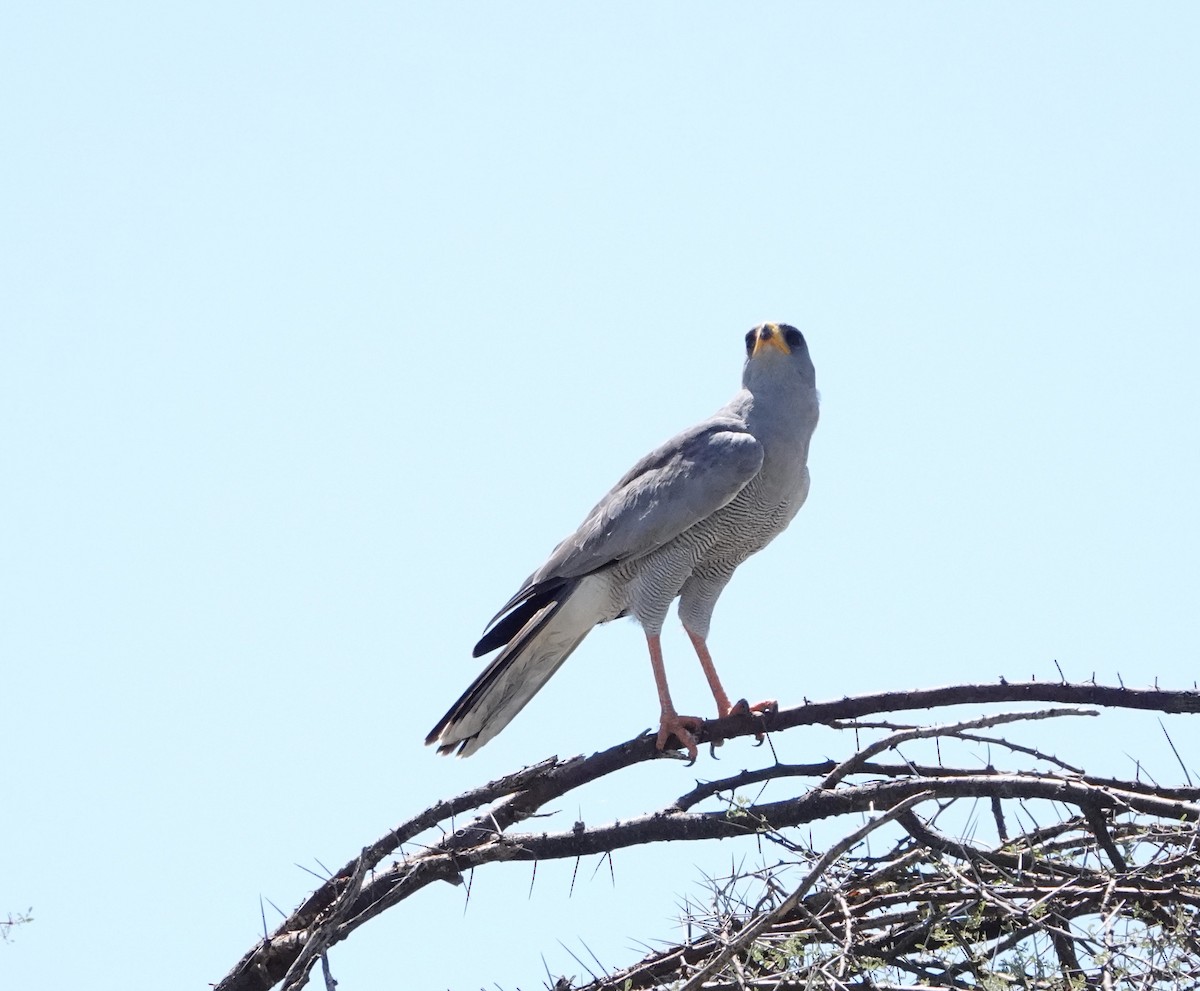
683, 728
743, 708
767, 707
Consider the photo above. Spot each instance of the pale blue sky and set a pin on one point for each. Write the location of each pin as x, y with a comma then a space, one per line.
323, 323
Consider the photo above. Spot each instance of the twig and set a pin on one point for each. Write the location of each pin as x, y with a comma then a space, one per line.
755, 928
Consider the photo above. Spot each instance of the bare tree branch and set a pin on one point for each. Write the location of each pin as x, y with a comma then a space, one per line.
924, 918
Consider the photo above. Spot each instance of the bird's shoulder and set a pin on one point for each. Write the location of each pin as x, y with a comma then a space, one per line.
721, 440
672, 488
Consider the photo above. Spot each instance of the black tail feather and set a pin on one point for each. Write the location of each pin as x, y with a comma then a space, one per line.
548, 600
520, 612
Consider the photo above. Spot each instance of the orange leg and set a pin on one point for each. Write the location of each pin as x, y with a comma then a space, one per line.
710, 672
670, 722
724, 708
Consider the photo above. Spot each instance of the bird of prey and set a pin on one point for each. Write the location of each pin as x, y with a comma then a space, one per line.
676, 525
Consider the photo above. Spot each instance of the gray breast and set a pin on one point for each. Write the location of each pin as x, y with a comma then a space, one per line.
703, 557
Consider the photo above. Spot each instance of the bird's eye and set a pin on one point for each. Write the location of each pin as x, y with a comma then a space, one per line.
792, 337
750, 341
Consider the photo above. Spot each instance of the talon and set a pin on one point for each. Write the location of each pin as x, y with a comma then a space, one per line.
683, 728
764, 708
743, 708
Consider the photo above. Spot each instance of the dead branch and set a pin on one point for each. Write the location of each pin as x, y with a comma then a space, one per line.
939, 908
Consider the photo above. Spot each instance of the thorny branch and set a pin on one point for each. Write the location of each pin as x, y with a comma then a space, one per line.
935, 910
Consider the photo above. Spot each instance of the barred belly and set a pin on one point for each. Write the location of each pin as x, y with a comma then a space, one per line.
703, 557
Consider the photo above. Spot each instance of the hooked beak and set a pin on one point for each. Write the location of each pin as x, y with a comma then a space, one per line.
769, 336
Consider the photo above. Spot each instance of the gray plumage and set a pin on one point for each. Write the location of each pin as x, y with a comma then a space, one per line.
676, 525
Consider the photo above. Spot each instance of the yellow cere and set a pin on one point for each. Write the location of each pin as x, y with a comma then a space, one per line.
774, 338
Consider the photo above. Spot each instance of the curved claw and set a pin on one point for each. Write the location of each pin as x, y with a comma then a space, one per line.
743, 708
683, 728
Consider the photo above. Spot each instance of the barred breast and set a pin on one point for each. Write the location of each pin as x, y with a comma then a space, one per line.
698, 563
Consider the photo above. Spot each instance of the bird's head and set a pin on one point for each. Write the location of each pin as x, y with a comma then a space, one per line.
777, 353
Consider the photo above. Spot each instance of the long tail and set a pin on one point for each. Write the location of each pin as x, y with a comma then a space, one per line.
542, 629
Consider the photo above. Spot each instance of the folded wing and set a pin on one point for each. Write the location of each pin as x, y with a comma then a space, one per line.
671, 489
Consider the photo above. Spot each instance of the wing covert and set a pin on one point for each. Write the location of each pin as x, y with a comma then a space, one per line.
688, 478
